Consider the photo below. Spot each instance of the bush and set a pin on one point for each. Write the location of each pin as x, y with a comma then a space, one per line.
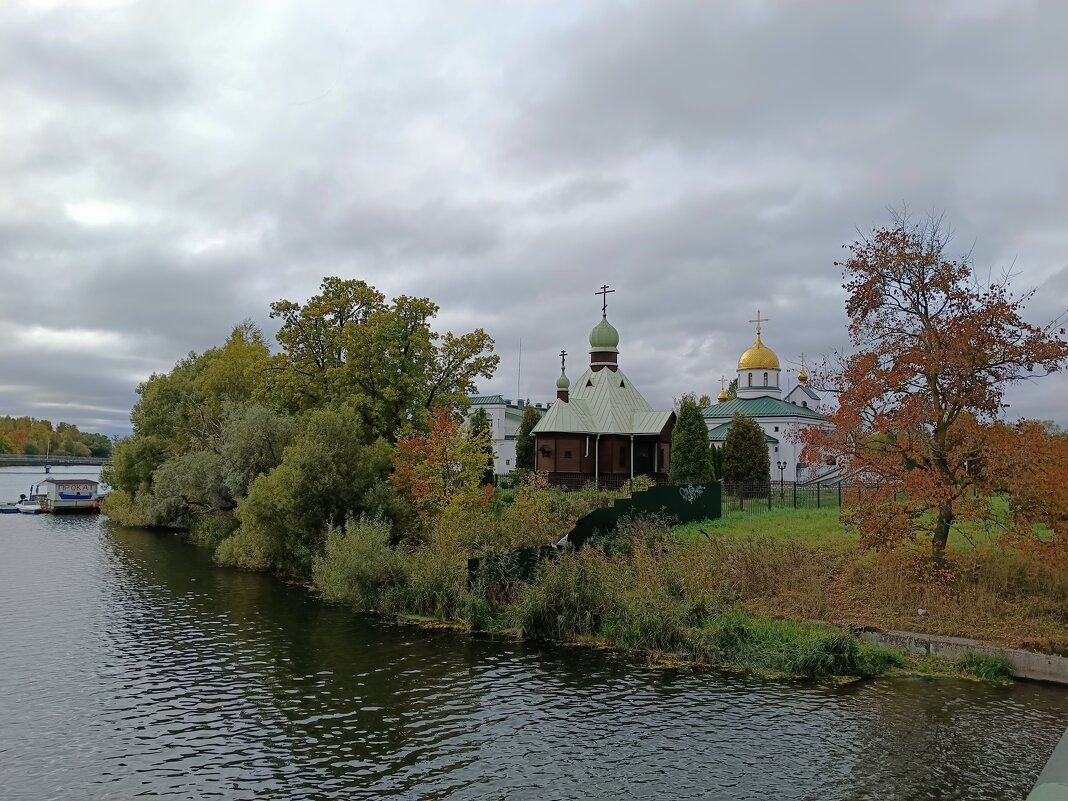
359, 567
789, 648
437, 583
571, 597
123, 509
992, 667
211, 529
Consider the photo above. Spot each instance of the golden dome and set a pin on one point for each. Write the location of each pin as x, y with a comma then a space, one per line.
802, 376
722, 397
759, 357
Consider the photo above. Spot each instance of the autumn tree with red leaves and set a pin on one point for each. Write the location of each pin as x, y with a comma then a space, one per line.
921, 399
442, 469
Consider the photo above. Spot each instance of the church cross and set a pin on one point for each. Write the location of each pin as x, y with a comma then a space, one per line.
604, 293
563, 355
722, 384
758, 320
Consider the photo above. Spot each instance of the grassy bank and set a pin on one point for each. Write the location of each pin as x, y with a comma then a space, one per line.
672, 601
804, 565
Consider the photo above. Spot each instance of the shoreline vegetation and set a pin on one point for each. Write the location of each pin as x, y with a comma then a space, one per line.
345, 460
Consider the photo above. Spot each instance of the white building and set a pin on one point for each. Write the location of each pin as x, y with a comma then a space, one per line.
504, 419
760, 397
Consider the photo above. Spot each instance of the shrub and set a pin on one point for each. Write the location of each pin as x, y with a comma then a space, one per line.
359, 567
992, 667
571, 597
437, 582
123, 509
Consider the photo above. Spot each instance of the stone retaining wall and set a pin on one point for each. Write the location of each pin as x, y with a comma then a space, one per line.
1025, 664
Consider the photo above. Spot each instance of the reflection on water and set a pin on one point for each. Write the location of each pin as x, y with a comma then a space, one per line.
131, 665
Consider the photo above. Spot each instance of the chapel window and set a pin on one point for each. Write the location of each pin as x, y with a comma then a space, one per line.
765, 379
750, 379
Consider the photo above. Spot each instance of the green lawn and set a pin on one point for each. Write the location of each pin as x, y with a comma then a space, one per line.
814, 526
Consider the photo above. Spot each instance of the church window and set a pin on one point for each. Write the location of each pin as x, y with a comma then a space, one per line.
589, 383
750, 379
765, 379
776, 429
622, 385
805, 404
776, 449
507, 462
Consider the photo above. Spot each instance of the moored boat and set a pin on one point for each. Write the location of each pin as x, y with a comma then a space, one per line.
10, 508
28, 506
63, 495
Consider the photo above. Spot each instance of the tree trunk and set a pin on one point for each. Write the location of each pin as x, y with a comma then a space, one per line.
941, 533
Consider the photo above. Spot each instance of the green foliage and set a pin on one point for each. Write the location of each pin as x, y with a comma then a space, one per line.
121, 507
716, 456
253, 441
134, 461
359, 567
326, 476
524, 444
991, 667
791, 648
691, 458
187, 487
745, 452
31, 436
571, 597
480, 425
347, 344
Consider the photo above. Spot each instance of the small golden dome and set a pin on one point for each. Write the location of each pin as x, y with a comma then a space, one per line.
759, 357
802, 376
722, 397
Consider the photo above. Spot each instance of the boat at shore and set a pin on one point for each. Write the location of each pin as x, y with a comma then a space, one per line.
28, 506
67, 495
10, 508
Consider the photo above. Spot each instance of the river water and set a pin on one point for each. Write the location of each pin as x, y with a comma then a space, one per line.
132, 666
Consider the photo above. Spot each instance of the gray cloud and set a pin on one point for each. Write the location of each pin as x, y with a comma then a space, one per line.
170, 168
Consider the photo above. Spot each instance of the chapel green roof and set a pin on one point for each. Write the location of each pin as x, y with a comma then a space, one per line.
719, 434
764, 406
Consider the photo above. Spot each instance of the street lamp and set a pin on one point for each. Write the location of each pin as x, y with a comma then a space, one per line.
782, 469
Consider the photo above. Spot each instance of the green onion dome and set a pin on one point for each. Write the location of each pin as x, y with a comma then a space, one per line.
604, 338
562, 382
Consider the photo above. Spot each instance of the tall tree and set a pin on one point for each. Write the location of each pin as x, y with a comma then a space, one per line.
5, 444
691, 458
349, 345
524, 443
480, 424
745, 452
442, 468
921, 398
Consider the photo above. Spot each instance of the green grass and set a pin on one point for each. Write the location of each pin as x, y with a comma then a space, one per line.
813, 526
990, 667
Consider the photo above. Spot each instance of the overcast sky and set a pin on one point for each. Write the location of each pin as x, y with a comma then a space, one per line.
170, 168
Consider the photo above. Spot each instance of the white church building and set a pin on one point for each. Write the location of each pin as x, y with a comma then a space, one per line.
760, 396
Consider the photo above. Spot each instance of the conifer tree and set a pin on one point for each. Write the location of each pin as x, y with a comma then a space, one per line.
691, 458
524, 444
745, 452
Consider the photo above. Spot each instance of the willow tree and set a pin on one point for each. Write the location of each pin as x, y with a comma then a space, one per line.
921, 399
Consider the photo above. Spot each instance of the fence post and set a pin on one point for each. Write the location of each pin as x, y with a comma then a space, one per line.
817, 495
795, 494
839, 494
769, 494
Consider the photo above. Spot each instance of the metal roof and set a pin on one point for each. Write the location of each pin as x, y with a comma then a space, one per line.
764, 406
603, 402
486, 400
719, 434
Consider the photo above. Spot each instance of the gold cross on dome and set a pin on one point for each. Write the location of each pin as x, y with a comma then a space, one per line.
758, 320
